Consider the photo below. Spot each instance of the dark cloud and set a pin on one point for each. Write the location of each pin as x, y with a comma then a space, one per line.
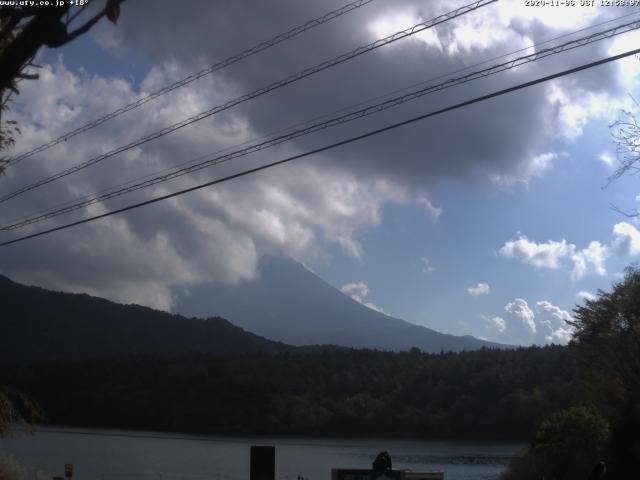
220, 233
497, 136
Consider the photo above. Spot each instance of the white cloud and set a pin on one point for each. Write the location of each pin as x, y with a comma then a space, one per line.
517, 12
220, 233
358, 291
555, 322
576, 106
589, 260
479, 289
561, 335
520, 324
519, 309
545, 255
536, 167
626, 239
394, 21
216, 234
553, 254
606, 158
586, 295
498, 323
375, 307
433, 210
556, 312
427, 267
628, 68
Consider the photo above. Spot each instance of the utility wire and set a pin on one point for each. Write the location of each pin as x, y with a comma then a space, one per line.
333, 145
327, 17
334, 112
261, 91
348, 117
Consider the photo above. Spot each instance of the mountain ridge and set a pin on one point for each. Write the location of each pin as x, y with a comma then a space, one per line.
40, 325
291, 304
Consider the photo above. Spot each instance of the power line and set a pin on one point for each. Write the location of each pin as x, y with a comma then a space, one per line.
261, 91
333, 145
339, 120
340, 110
327, 17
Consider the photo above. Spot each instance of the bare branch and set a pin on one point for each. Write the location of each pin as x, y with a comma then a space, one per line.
626, 137
91, 22
78, 13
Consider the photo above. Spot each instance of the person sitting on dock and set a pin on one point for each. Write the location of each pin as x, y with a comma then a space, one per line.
382, 465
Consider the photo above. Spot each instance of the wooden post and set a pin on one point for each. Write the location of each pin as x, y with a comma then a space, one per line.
263, 463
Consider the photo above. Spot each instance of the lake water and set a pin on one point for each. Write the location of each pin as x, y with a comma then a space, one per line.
123, 455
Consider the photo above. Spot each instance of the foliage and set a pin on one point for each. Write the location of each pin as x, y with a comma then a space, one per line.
608, 335
17, 409
607, 347
10, 469
24, 29
569, 443
566, 446
486, 393
608, 341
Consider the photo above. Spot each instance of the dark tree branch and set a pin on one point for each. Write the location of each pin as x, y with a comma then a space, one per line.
45, 28
90, 23
36, 33
10, 26
78, 13
23, 31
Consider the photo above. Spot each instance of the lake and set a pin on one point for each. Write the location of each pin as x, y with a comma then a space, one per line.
125, 455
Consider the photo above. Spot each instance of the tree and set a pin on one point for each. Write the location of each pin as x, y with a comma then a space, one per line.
625, 132
17, 409
566, 446
626, 137
608, 340
608, 333
26, 29
605, 425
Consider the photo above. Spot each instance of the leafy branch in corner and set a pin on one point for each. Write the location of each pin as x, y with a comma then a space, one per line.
23, 31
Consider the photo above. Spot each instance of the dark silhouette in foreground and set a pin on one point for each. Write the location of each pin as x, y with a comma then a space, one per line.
382, 464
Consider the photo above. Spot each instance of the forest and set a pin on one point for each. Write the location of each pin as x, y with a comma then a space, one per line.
486, 393
579, 405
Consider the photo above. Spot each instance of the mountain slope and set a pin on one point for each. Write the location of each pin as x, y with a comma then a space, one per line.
41, 325
292, 305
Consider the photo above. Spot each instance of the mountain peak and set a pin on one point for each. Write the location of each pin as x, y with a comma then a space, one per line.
289, 303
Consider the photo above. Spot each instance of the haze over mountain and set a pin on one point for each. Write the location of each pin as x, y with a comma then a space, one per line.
40, 325
290, 304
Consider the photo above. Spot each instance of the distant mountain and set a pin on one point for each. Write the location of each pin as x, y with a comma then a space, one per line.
290, 304
40, 325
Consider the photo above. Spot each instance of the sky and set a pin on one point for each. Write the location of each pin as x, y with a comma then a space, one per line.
493, 220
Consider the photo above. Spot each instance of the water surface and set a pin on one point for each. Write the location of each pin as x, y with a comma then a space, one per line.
125, 455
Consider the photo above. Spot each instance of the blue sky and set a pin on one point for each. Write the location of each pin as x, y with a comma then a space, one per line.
463, 246
488, 221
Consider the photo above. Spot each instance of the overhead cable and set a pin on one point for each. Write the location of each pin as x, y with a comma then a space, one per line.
315, 127
331, 146
261, 91
195, 76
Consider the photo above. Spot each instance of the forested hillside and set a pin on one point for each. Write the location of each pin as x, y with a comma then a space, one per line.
486, 393
41, 325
